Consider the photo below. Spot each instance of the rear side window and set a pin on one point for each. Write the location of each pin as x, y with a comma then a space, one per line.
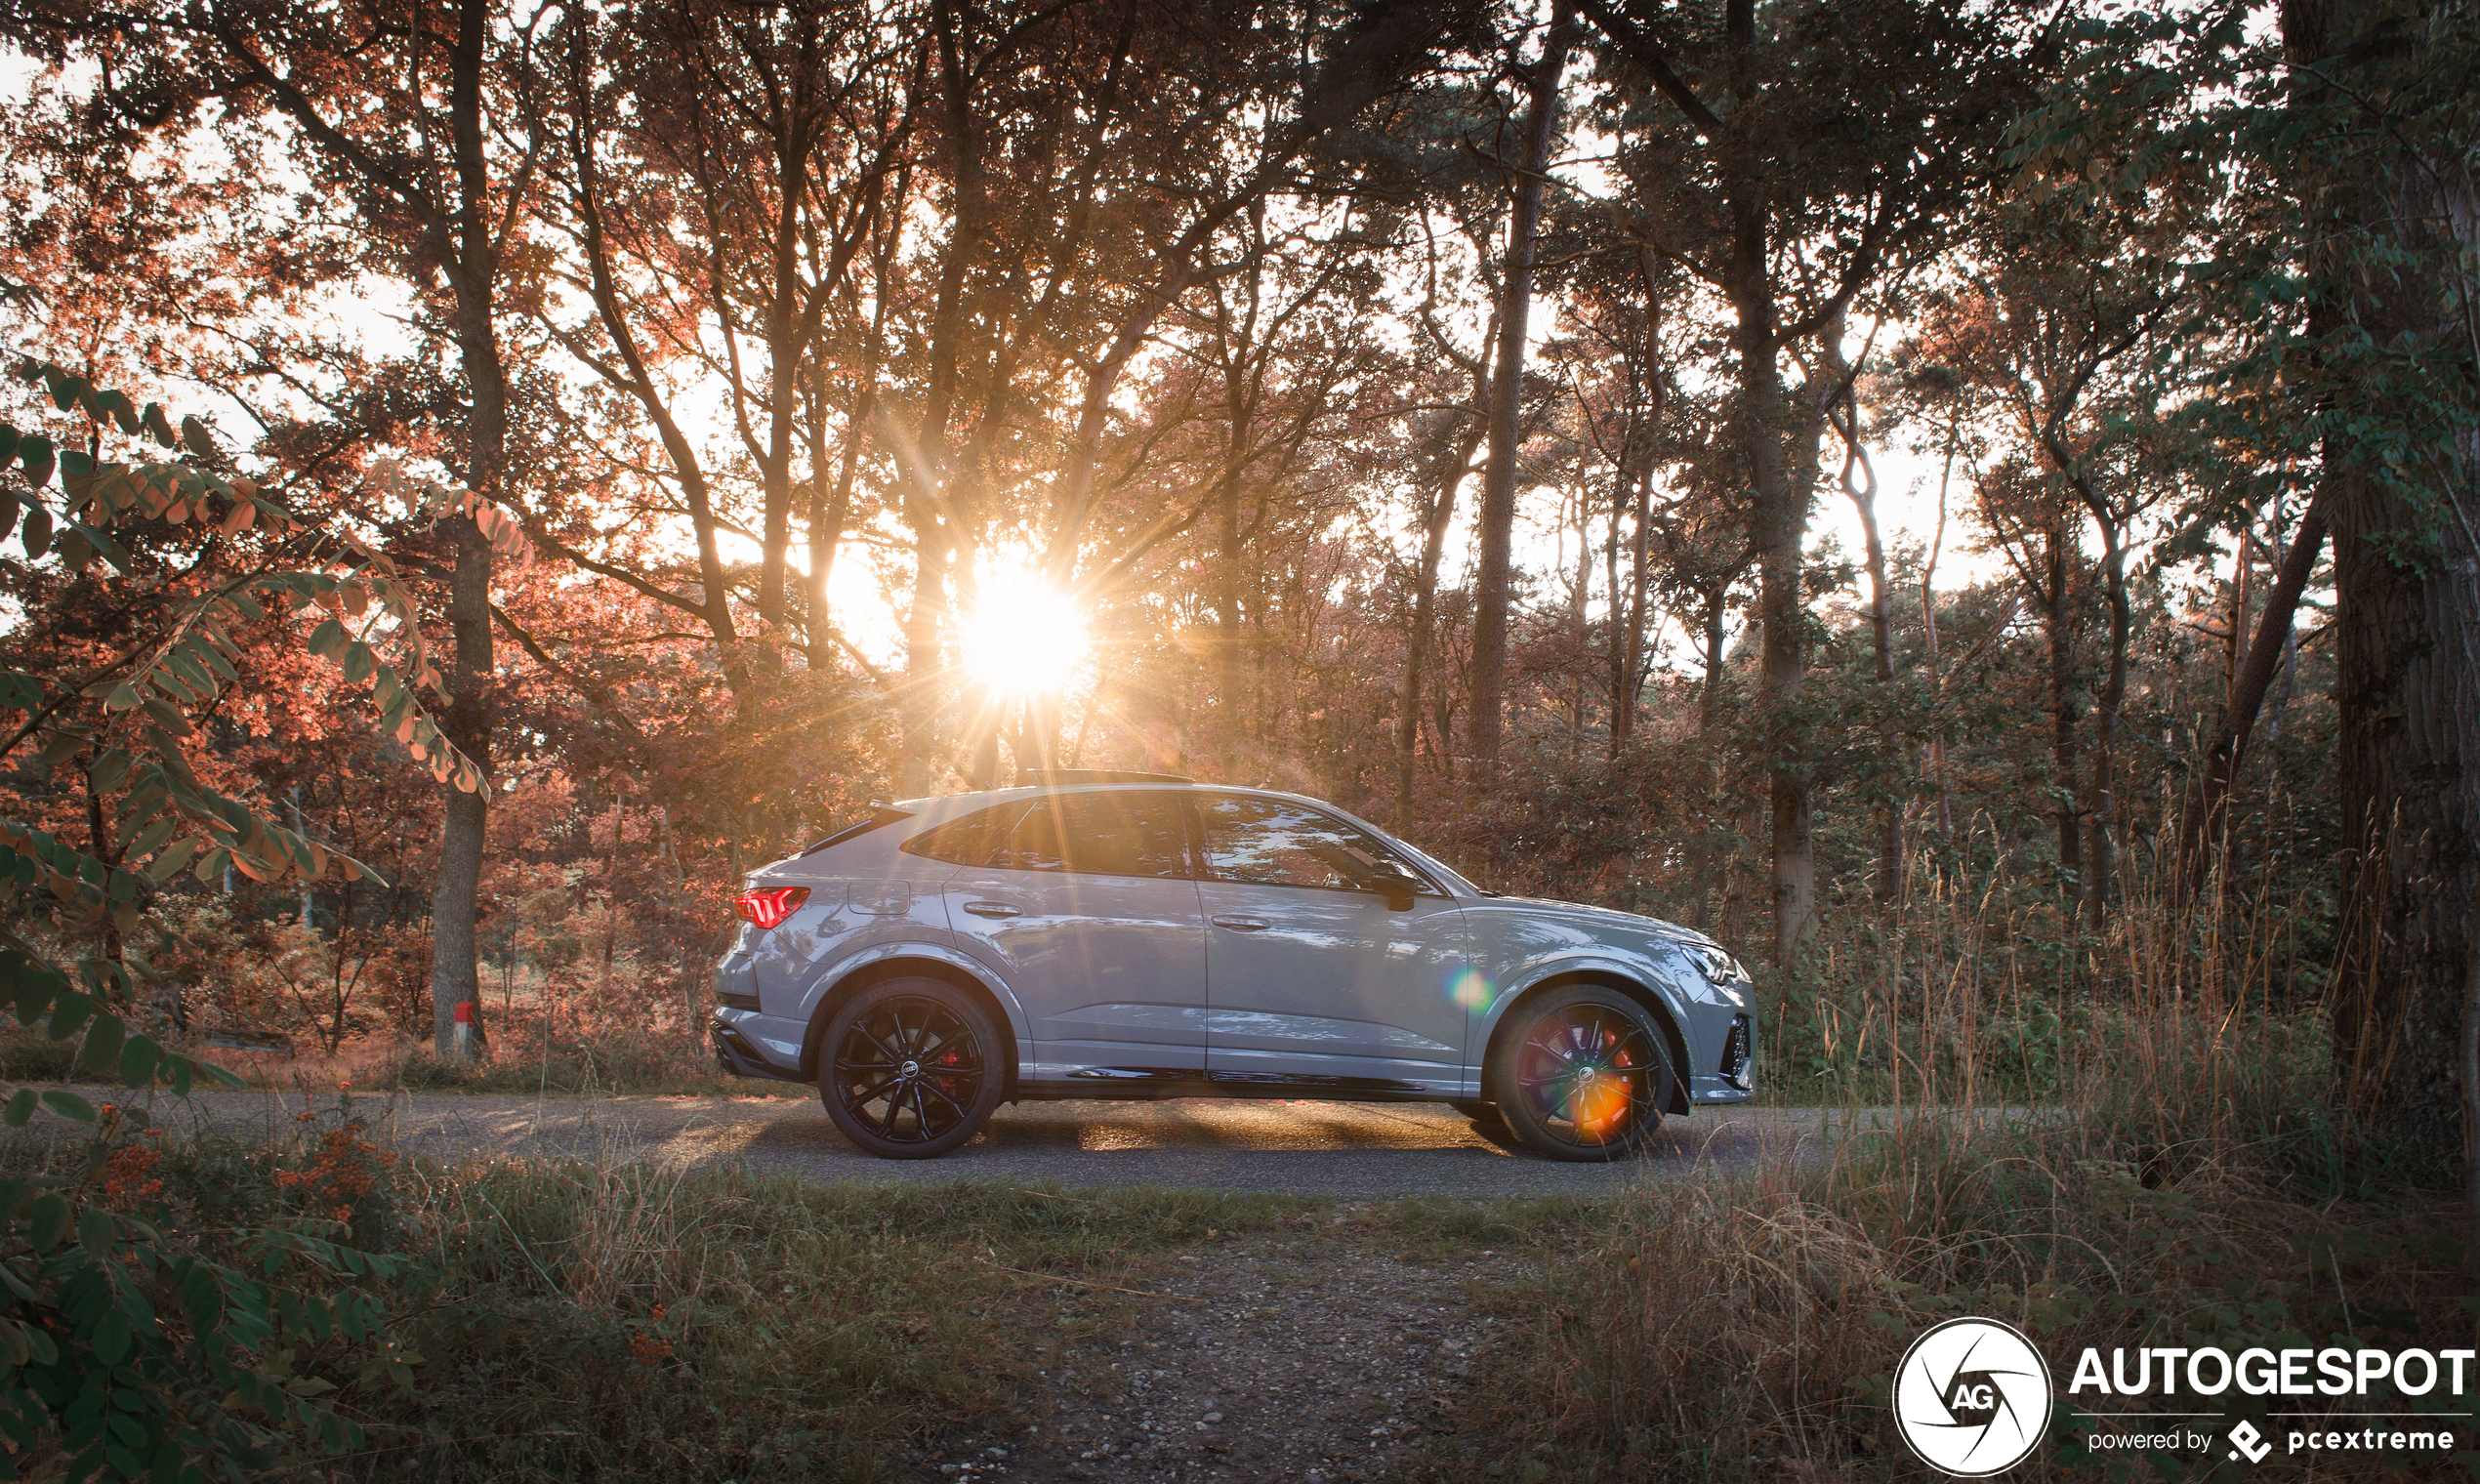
972, 840
1100, 835
1269, 843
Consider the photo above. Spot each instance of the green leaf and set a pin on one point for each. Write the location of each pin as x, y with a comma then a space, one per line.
38, 525
49, 1222
109, 770
359, 662
196, 437
69, 1106
111, 1332
8, 442
68, 1014
97, 1233
328, 637
109, 548
101, 1052
64, 386
20, 1108
138, 1061
155, 835
169, 864
8, 505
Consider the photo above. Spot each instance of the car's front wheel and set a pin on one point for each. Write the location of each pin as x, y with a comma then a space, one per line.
909, 1068
1582, 1073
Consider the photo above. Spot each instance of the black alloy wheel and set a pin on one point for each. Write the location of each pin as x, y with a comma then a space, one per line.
1583, 1074
908, 1069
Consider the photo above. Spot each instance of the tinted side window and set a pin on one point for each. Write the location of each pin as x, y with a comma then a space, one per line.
1268, 843
1100, 835
972, 840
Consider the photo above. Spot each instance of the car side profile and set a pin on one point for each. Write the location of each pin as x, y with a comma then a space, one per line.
1133, 935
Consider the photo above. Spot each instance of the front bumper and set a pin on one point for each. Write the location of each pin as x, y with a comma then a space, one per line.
1735, 1080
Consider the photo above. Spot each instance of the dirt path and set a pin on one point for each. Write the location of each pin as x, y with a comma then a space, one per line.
1315, 1357
1349, 1151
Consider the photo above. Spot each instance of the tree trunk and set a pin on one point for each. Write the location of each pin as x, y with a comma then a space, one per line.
2103, 807
455, 978
1424, 618
2407, 576
1863, 494
2203, 823
1497, 512
1928, 623
1627, 669
1228, 640
2065, 735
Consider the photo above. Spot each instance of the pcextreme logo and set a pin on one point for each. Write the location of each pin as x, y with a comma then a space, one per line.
1973, 1397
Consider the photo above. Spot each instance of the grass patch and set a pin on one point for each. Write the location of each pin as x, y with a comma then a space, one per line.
1751, 1330
647, 1070
576, 1320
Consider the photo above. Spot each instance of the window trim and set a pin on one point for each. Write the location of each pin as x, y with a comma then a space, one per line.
1428, 884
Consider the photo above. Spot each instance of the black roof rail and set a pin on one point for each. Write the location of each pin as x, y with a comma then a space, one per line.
1062, 777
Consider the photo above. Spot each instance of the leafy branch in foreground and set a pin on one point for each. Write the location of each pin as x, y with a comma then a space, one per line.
125, 1347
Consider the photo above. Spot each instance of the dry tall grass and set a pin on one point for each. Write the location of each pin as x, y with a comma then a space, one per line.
2110, 1141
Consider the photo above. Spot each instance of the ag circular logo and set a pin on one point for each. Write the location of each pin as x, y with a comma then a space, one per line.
1973, 1397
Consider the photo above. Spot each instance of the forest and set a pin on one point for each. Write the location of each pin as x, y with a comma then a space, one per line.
1971, 506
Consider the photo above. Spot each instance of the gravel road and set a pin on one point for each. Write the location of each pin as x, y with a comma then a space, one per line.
1355, 1151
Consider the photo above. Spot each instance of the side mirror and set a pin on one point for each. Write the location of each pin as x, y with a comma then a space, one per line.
1398, 888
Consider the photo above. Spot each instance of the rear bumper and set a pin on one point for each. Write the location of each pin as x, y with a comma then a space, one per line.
737, 1058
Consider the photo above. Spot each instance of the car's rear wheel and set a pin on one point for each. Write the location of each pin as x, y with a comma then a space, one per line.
909, 1068
1582, 1073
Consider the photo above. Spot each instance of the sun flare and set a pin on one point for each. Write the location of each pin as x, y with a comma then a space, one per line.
1024, 636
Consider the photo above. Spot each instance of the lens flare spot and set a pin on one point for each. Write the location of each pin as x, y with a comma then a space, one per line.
1600, 1104
1470, 989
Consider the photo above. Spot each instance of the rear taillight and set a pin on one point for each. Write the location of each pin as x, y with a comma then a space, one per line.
768, 906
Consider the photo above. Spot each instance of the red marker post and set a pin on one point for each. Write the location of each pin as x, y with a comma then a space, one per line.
463, 1038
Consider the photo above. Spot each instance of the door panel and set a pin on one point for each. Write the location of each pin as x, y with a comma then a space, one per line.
1083, 903
1323, 984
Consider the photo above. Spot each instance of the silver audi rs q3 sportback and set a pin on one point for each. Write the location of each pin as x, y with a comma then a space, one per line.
1137, 935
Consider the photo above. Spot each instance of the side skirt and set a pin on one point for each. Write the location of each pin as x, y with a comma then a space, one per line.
1159, 1083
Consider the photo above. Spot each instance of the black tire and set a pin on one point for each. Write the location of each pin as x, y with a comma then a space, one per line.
1582, 1073
909, 1069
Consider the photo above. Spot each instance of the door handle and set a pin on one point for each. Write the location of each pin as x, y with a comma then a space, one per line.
1243, 923
992, 909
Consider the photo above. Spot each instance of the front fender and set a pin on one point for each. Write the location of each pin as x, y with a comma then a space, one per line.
1638, 971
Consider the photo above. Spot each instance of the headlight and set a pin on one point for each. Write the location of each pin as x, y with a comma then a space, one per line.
1717, 967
